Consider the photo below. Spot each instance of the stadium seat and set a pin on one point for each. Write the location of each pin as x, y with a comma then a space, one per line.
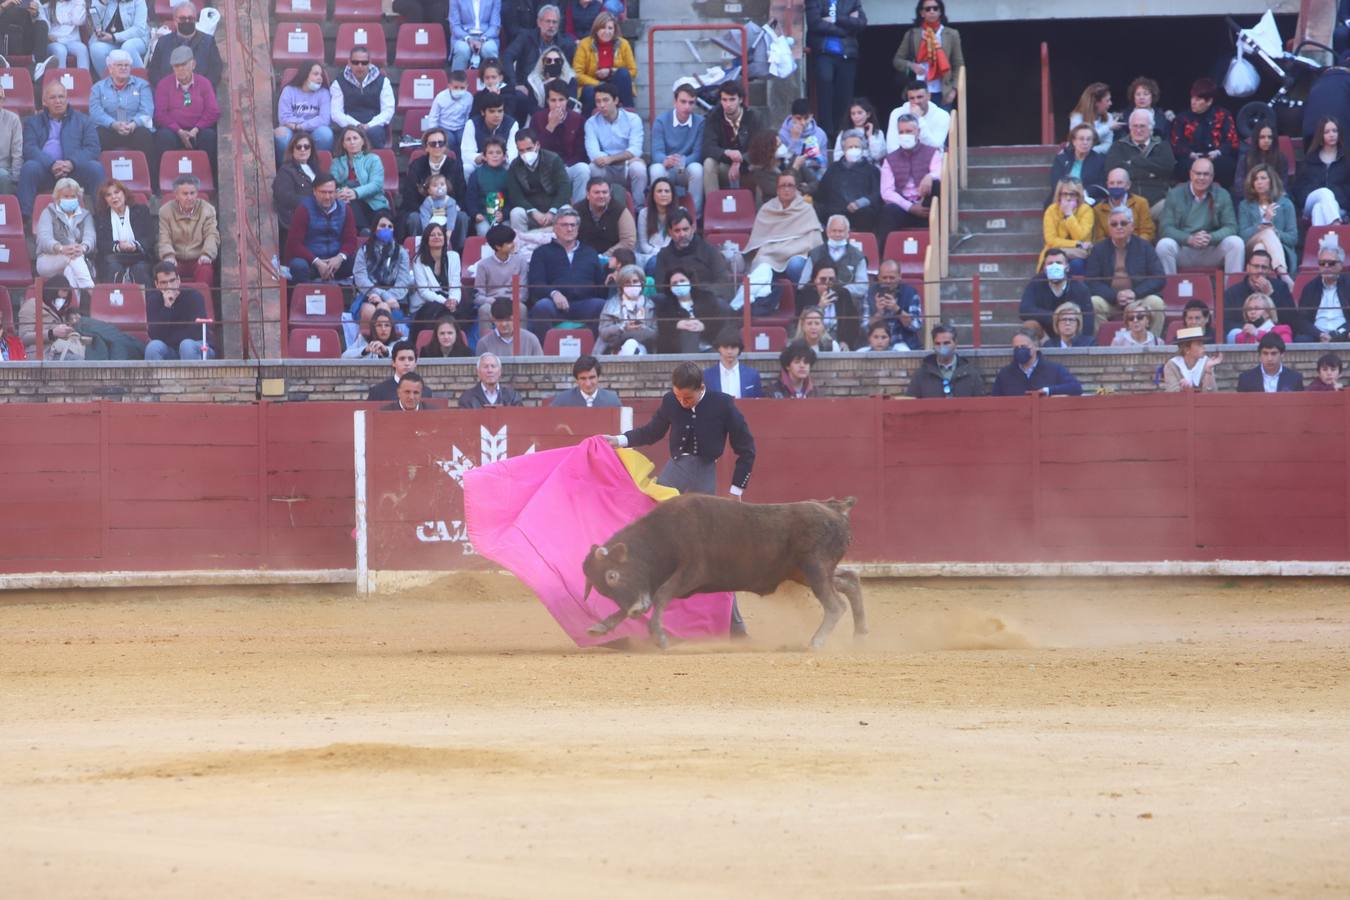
1315, 234
1106, 332
316, 305
868, 241
163, 10
390, 163
687, 201
474, 246
421, 45
313, 343
16, 268
19, 96
79, 86
357, 11
7, 311
42, 201
766, 339
728, 211
294, 43
417, 88
1184, 286
11, 217
325, 160
908, 248
424, 337
302, 11
1300, 281
471, 75
554, 337
186, 162
369, 34
128, 167
1287, 148
122, 305
785, 316
1173, 326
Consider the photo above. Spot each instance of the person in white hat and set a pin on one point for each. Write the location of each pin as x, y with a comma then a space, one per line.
1190, 369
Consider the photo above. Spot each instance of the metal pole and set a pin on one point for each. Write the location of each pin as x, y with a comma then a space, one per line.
975, 310
515, 314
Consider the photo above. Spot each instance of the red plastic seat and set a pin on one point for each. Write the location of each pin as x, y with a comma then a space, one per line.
1315, 234
16, 268
356, 11
766, 338
128, 167
19, 96
471, 75
1286, 144
79, 85
186, 162
390, 163
1183, 287
417, 88
294, 43
163, 10
421, 45
554, 336
474, 245
121, 304
785, 316
325, 159
302, 11
907, 247
366, 34
316, 305
11, 217
1106, 332
424, 337
313, 343
868, 241
728, 211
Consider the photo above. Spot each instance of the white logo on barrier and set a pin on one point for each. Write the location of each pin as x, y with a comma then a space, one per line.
492, 448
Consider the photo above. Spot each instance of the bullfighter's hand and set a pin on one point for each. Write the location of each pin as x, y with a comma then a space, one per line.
612, 440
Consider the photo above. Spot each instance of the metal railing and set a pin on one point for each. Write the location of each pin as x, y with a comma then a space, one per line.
1047, 103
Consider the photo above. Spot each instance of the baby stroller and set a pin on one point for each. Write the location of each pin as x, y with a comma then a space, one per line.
1295, 73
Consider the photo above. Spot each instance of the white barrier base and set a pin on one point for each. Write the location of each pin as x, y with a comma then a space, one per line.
183, 578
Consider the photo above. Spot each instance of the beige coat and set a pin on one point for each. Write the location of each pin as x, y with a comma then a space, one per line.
188, 237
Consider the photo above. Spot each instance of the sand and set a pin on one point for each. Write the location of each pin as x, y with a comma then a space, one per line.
1090, 738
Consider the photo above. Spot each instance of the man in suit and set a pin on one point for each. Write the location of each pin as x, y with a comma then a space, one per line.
729, 376
404, 360
409, 395
588, 392
489, 391
475, 32
1271, 377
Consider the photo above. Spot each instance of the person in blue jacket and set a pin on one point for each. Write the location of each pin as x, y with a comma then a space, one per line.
1031, 373
728, 375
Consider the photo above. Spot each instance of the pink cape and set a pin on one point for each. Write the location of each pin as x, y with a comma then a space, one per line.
538, 515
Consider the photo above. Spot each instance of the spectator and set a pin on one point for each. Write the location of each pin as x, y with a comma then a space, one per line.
450, 109
174, 319
440, 207
552, 66
408, 396
605, 57
653, 231
1147, 158
321, 242
897, 304
1124, 268
1329, 93
68, 18
475, 32
579, 16
437, 288
691, 253
492, 81
560, 129
606, 225
186, 110
374, 339
25, 25
614, 144
728, 375
1324, 178
118, 25
502, 338
495, 272
489, 392
489, 121
11, 345
1068, 224
1266, 217
877, 337
764, 162
185, 34
1136, 332
403, 359
1259, 318
1094, 108
1190, 370
1144, 95
11, 147
294, 180
67, 334
1198, 226
1067, 331
909, 180
676, 142
836, 305
1077, 160
931, 51
1270, 377
1257, 281
360, 178
794, 379
851, 187
688, 315
58, 142
362, 98
305, 105
785, 230
1205, 131
844, 256
125, 235
726, 138
811, 329
122, 108
944, 374
807, 146
1324, 300
485, 198
447, 341
438, 160
862, 117
628, 320
587, 392
1030, 373
832, 31
1195, 314
566, 278
934, 121
1261, 149
1118, 194
522, 56
1328, 373
187, 232
1047, 292
64, 237
381, 273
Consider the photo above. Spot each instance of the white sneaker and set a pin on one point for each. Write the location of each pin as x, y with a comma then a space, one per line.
40, 68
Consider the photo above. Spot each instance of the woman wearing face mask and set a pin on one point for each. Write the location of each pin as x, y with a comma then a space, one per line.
375, 339
1266, 217
652, 233
862, 115
1259, 317
852, 186
381, 273
360, 178
304, 106
1136, 333
688, 316
628, 319
1067, 225
65, 236
59, 337
1078, 161
552, 65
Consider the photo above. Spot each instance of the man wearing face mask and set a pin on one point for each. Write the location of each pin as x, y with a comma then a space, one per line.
1031, 373
537, 184
1044, 294
851, 186
943, 374
845, 257
1119, 188
185, 34
689, 251
909, 181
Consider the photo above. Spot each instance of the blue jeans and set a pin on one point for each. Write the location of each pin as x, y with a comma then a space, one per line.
321, 136
187, 349
75, 52
459, 54
793, 271
99, 51
544, 314
35, 178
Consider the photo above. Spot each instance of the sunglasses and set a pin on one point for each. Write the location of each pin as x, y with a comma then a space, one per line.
435, 143
1328, 263
1139, 317
303, 147
360, 62
932, 9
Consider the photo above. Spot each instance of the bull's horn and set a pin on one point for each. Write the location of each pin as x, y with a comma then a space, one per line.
587, 594
601, 552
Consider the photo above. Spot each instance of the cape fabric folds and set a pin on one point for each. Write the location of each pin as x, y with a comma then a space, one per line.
538, 515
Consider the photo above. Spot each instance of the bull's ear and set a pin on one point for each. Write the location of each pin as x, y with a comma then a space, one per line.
598, 553
618, 553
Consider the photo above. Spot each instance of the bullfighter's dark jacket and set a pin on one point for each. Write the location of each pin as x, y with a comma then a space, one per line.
702, 431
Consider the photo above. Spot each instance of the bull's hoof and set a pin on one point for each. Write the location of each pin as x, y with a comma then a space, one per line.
817, 644
598, 628
661, 640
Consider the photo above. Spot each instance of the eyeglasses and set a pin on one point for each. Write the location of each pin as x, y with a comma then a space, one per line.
435, 143
1119, 224
1328, 263
1138, 317
932, 9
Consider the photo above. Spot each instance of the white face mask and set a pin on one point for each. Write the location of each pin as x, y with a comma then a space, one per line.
315, 84
853, 154
837, 248
632, 291
457, 93
909, 141
530, 157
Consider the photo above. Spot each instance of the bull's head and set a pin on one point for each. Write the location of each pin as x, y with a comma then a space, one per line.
612, 572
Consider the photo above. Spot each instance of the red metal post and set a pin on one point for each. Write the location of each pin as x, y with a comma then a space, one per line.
515, 314
709, 26
1047, 111
975, 310
1218, 308
39, 331
745, 310
284, 288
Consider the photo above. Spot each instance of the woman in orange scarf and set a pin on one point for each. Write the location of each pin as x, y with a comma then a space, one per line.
931, 51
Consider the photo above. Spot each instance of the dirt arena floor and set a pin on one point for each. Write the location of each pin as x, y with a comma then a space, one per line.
1106, 738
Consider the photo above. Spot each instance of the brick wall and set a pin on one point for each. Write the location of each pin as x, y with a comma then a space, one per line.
844, 375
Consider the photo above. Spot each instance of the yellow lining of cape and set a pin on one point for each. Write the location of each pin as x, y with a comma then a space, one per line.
640, 469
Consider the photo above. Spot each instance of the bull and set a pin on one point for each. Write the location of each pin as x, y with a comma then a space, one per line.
696, 544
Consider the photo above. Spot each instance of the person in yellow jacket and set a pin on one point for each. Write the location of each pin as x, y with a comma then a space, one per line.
1068, 225
1118, 188
605, 56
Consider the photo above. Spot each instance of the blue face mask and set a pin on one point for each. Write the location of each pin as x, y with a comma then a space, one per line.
1021, 355
69, 204
681, 290
1054, 271
945, 351
1117, 193
384, 234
